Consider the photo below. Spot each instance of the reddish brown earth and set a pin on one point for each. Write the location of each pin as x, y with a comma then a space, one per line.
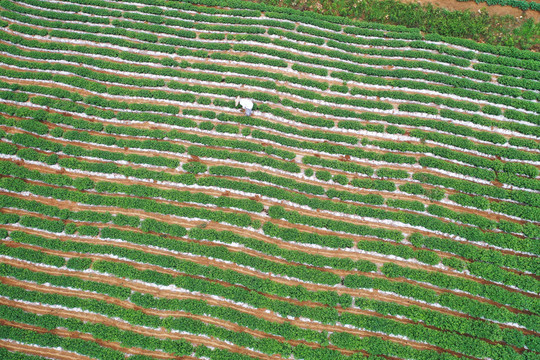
474, 7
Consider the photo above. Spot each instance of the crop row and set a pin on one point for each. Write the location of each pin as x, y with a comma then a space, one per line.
346, 318
27, 140
470, 84
206, 274
79, 346
462, 304
46, 145
108, 65
469, 306
479, 328
150, 225
221, 253
182, 268
507, 55
236, 16
498, 239
147, 301
511, 167
271, 230
502, 296
366, 322
515, 299
127, 338
409, 160
233, 68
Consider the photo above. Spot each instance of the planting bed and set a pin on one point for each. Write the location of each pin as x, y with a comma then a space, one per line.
382, 201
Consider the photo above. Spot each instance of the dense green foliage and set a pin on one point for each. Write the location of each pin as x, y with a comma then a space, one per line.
381, 201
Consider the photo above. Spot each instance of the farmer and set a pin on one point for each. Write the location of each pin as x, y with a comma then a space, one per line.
246, 104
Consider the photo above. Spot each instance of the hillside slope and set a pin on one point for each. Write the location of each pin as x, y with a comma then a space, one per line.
382, 200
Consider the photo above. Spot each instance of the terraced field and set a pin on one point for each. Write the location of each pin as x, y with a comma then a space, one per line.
382, 200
